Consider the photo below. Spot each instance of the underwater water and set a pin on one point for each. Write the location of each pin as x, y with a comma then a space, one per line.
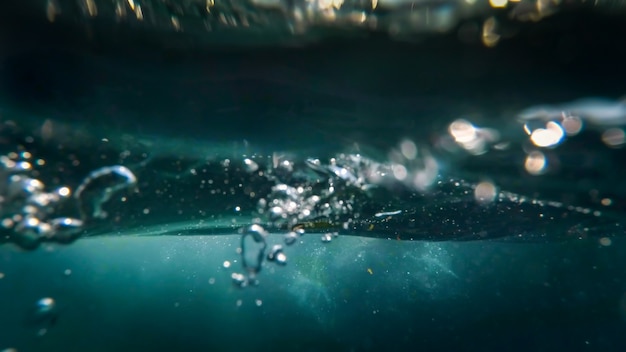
350, 195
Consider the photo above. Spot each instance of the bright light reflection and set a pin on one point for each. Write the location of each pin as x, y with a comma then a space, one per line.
547, 137
485, 192
614, 137
408, 149
535, 163
399, 172
498, 3
489, 36
471, 138
572, 125
64, 191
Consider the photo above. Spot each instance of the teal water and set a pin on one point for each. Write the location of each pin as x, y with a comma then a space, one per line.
448, 198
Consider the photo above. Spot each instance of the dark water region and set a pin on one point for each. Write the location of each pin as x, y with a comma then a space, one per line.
337, 91
398, 230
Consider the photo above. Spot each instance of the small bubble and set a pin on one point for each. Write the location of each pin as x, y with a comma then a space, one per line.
535, 163
327, 237
24, 165
46, 304
276, 254
291, 238
7, 223
239, 303
607, 202
67, 272
614, 137
239, 280
408, 149
605, 241
250, 165
1, 276
211, 281
64, 191
485, 192
258, 302
226, 264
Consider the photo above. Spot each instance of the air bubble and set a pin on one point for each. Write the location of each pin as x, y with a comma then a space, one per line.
45, 305
253, 248
250, 165
43, 315
277, 255
327, 237
240, 280
66, 229
99, 186
291, 238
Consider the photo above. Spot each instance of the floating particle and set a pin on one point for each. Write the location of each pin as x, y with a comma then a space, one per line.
327, 237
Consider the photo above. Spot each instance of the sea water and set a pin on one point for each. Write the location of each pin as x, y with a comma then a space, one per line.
285, 203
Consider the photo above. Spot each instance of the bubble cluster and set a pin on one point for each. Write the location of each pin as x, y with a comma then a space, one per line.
31, 213
548, 126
